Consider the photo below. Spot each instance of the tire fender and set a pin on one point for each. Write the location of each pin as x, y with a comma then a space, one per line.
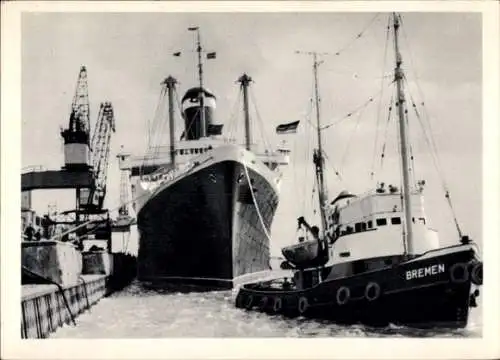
372, 291
277, 305
343, 295
459, 273
477, 274
303, 305
263, 303
249, 302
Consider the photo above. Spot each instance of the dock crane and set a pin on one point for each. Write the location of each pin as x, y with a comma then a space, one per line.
86, 160
77, 135
83, 153
100, 155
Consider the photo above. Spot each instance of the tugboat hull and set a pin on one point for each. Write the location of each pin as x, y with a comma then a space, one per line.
433, 290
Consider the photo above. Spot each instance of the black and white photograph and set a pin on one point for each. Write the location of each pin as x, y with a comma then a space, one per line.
239, 174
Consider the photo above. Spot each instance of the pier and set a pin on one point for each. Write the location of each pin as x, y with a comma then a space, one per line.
68, 260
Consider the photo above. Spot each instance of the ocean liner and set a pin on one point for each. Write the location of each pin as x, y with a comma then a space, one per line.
375, 260
206, 205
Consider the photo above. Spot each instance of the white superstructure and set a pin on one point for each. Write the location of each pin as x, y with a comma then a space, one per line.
372, 225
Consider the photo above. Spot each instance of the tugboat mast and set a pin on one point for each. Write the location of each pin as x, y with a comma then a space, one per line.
318, 153
201, 94
398, 76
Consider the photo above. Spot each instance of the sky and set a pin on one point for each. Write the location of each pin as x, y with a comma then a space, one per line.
127, 55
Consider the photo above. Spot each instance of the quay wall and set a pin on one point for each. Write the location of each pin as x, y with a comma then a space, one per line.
45, 308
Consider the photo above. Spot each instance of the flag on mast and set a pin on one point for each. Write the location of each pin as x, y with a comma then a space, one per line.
288, 128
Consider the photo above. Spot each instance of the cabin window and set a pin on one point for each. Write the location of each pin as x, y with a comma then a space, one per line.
181, 151
396, 221
363, 226
345, 254
422, 220
349, 229
209, 147
358, 227
381, 222
370, 224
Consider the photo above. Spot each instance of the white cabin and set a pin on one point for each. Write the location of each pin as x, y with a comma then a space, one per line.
371, 226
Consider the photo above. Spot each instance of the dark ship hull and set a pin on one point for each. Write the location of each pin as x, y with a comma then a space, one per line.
432, 291
204, 230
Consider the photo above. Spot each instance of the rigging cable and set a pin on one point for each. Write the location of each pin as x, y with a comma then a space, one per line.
233, 118
313, 195
412, 157
358, 36
155, 120
388, 27
344, 155
382, 156
435, 160
160, 124
432, 145
337, 173
179, 106
355, 110
309, 147
267, 143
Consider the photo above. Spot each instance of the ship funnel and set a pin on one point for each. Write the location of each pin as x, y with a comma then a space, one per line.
191, 112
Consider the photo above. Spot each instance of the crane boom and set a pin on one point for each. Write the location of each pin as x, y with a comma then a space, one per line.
76, 136
101, 139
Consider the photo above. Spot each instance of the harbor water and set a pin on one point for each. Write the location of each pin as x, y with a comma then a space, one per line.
138, 312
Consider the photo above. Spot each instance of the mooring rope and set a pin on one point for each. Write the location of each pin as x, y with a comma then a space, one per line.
85, 291
58, 286
256, 205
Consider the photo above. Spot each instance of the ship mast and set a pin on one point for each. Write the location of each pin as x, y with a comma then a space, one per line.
318, 158
201, 94
170, 84
245, 80
398, 76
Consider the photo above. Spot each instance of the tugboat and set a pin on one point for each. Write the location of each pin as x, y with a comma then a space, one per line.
375, 261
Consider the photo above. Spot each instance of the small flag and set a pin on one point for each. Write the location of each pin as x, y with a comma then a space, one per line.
215, 129
178, 53
288, 128
211, 55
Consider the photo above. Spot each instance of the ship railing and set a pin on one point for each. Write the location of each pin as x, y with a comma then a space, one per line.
274, 157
